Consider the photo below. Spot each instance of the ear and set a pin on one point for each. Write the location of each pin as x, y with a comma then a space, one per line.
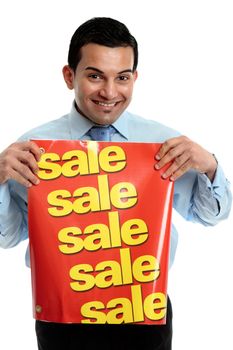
135, 75
68, 75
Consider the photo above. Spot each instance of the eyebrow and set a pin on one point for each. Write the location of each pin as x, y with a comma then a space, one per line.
101, 72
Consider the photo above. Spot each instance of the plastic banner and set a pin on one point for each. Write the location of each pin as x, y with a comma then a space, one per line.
99, 230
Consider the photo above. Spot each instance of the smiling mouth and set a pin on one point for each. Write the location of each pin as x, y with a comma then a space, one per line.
105, 104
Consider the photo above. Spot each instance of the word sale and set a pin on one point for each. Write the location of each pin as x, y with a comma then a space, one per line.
126, 271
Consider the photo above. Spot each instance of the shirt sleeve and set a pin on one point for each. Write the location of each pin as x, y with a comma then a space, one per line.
13, 216
199, 200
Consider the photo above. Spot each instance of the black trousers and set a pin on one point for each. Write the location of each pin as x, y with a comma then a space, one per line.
58, 336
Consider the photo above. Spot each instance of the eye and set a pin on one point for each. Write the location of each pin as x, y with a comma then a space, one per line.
94, 76
123, 78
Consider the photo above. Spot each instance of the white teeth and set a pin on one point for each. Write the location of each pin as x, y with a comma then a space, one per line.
105, 104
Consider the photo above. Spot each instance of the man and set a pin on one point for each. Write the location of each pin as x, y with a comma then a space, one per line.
102, 70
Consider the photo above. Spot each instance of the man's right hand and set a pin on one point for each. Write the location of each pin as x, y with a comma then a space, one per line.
19, 162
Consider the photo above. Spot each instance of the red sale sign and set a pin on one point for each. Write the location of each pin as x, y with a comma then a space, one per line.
99, 229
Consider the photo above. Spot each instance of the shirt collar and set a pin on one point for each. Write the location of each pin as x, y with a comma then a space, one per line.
121, 125
79, 125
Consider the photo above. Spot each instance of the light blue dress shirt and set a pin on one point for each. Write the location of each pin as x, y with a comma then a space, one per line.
195, 197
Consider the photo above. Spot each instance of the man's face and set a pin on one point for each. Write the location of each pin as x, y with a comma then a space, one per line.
103, 82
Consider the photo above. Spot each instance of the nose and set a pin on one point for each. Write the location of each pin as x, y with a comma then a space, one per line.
109, 90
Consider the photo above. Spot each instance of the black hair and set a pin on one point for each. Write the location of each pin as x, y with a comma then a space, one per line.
103, 31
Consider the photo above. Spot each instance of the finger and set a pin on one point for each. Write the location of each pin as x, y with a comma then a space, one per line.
27, 146
181, 171
171, 155
28, 159
20, 179
25, 172
16, 166
32, 147
177, 163
167, 145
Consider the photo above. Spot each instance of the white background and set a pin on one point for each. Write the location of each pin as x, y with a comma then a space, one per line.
185, 81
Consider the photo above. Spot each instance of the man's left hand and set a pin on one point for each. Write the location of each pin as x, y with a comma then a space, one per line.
184, 154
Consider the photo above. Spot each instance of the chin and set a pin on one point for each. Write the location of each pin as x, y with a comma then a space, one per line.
104, 120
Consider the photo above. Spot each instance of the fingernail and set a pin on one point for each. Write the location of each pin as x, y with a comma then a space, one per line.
164, 175
157, 157
156, 166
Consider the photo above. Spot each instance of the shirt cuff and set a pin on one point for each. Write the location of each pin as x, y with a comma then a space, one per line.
219, 184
